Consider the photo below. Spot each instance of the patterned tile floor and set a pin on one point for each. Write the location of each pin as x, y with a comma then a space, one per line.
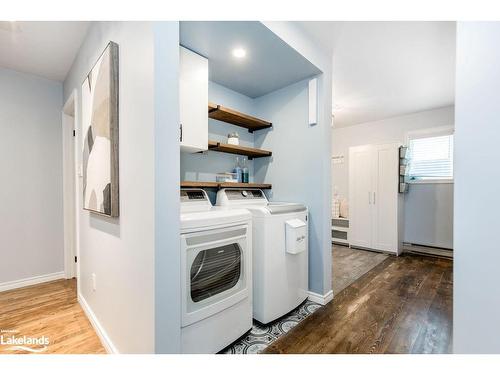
263, 335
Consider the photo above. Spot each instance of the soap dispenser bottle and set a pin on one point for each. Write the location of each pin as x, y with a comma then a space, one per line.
237, 170
244, 171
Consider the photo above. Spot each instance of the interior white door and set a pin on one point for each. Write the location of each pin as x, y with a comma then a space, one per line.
193, 100
385, 198
360, 196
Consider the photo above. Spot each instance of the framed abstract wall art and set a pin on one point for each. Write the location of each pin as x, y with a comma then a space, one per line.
100, 135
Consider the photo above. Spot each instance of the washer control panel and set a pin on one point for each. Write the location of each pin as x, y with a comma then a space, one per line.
244, 194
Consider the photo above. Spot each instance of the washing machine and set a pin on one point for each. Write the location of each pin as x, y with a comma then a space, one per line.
216, 273
280, 251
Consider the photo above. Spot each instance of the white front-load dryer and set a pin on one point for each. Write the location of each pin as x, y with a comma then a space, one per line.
280, 251
216, 274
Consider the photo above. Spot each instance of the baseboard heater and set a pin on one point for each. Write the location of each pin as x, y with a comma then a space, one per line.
427, 250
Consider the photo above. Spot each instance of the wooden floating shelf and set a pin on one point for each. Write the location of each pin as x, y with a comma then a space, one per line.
244, 185
218, 112
238, 150
222, 185
212, 107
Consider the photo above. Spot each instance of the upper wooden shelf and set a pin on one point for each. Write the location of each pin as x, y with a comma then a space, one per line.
222, 185
218, 112
238, 150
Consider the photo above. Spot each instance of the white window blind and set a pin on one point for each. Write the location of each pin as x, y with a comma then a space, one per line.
431, 158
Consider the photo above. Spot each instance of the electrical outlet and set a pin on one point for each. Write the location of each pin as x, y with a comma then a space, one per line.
94, 282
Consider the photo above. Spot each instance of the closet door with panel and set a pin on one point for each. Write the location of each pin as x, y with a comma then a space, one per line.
374, 201
385, 197
360, 196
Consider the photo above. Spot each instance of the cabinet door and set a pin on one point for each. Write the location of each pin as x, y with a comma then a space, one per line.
360, 182
193, 100
385, 198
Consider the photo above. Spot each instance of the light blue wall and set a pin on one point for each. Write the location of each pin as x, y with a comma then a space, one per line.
295, 168
31, 212
167, 203
204, 166
319, 159
476, 302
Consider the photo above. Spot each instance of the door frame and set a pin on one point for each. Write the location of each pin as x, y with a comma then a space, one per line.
70, 187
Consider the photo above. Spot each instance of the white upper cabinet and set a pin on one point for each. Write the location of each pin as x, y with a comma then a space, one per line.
193, 100
374, 203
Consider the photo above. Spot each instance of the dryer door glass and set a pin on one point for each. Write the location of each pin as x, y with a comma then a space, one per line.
214, 271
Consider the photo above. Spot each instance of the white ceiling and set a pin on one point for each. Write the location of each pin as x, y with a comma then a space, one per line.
46, 49
269, 65
387, 69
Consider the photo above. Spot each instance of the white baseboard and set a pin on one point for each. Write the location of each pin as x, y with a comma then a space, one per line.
321, 299
8, 285
101, 333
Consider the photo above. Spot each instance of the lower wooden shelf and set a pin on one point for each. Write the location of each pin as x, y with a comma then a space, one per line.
222, 185
238, 150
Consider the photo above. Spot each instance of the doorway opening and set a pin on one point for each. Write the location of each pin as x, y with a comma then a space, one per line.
392, 145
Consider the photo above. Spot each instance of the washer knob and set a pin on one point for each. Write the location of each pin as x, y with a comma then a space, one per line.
244, 193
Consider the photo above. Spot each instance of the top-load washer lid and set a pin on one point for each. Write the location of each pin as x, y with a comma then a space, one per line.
241, 197
255, 201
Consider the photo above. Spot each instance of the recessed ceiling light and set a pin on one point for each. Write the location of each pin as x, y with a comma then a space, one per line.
239, 53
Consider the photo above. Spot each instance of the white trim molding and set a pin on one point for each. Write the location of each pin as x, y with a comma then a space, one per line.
321, 299
9, 285
99, 329
432, 181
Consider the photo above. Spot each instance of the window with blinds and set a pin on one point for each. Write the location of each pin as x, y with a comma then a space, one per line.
431, 158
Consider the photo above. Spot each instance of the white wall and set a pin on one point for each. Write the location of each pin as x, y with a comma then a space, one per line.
31, 212
120, 251
428, 207
476, 312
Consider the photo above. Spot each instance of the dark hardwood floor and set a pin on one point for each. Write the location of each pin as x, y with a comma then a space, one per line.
403, 305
